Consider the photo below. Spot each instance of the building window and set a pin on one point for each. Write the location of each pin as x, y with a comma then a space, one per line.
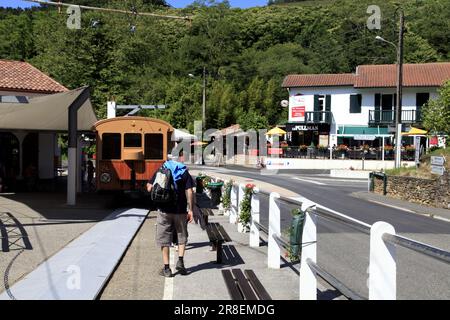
421, 99
355, 103
154, 146
133, 140
111, 146
13, 99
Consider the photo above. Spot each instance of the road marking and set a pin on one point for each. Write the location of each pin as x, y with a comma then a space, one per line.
168, 283
441, 218
310, 181
392, 206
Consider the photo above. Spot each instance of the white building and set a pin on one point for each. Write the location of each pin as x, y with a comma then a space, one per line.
331, 109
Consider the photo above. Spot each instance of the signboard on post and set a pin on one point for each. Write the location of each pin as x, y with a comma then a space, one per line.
298, 109
437, 165
437, 161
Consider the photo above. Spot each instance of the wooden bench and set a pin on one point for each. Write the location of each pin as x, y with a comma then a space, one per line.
244, 286
217, 236
206, 212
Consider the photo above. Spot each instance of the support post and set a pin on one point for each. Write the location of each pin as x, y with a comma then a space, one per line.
234, 204
308, 280
274, 251
72, 145
382, 267
111, 109
254, 231
240, 198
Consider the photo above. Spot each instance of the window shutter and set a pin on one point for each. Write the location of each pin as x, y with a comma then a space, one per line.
316, 108
355, 103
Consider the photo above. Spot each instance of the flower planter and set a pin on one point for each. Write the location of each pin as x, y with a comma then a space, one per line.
215, 190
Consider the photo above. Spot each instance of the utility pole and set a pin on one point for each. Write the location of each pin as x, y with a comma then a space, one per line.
204, 100
398, 116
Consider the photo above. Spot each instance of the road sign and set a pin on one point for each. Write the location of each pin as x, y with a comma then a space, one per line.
437, 161
364, 137
439, 170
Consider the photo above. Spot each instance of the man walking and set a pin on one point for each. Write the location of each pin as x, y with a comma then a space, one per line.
173, 213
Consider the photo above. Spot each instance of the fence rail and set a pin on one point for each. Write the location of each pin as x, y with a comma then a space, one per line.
334, 282
425, 249
383, 241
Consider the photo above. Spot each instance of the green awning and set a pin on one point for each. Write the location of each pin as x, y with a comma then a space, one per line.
362, 130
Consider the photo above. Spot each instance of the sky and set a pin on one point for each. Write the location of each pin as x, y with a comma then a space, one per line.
175, 3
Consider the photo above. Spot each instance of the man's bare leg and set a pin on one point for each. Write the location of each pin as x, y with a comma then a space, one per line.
165, 254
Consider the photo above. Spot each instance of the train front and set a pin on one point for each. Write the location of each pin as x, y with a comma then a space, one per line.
129, 151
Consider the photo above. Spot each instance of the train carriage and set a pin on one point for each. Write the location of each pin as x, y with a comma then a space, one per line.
129, 151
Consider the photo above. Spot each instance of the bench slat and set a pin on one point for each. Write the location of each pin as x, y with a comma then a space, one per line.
233, 290
243, 284
224, 234
256, 284
212, 232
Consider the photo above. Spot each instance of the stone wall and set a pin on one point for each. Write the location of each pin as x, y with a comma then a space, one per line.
431, 192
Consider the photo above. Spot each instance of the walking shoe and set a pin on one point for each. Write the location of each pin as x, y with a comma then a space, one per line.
165, 273
180, 267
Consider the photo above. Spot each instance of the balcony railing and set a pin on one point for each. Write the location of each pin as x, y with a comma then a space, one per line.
318, 117
388, 117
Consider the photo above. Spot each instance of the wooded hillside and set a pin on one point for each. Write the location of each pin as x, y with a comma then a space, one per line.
247, 53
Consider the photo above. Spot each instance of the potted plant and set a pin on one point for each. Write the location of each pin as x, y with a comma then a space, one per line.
342, 149
226, 198
246, 209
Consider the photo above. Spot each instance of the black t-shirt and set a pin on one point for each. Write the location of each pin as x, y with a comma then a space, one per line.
179, 206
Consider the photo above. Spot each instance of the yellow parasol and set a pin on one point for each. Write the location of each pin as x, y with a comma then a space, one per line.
415, 132
276, 131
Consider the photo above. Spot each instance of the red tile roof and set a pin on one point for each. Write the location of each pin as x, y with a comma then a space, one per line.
22, 76
377, 76
319, 80
414, 75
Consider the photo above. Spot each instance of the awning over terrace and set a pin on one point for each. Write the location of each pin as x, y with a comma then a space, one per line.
362, 130
47, 113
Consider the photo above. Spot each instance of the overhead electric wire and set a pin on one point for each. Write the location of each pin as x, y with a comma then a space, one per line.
187, 18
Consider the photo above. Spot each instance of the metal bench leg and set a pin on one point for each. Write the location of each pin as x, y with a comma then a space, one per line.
219, 252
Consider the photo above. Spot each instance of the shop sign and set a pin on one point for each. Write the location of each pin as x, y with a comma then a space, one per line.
298, 109
364, 137
305, 128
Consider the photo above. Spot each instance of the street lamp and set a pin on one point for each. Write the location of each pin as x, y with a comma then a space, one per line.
398, 112
204, 97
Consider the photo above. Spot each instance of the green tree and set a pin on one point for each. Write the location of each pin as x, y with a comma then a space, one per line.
436, 113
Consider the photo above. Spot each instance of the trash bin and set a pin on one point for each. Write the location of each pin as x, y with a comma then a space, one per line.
199, 184
216, 192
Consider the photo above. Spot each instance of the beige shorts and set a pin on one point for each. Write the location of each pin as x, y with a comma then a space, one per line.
166, 223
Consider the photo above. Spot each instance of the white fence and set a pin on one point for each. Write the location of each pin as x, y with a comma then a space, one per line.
383, 241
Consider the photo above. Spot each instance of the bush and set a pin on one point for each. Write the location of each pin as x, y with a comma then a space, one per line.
246, 205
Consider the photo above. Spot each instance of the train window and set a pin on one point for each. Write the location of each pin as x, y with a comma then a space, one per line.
133, 140
111, 146
154, 146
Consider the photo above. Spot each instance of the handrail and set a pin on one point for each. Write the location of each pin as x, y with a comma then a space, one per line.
334, 282
321, 212
289, 201
281, 242
261, 227
425, 249
353, 223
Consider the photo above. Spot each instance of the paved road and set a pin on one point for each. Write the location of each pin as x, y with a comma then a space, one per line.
345, 252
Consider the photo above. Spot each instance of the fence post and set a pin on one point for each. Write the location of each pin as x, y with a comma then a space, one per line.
254, 231
308, 280
274, 252
234, 203
382, 267
240, 198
